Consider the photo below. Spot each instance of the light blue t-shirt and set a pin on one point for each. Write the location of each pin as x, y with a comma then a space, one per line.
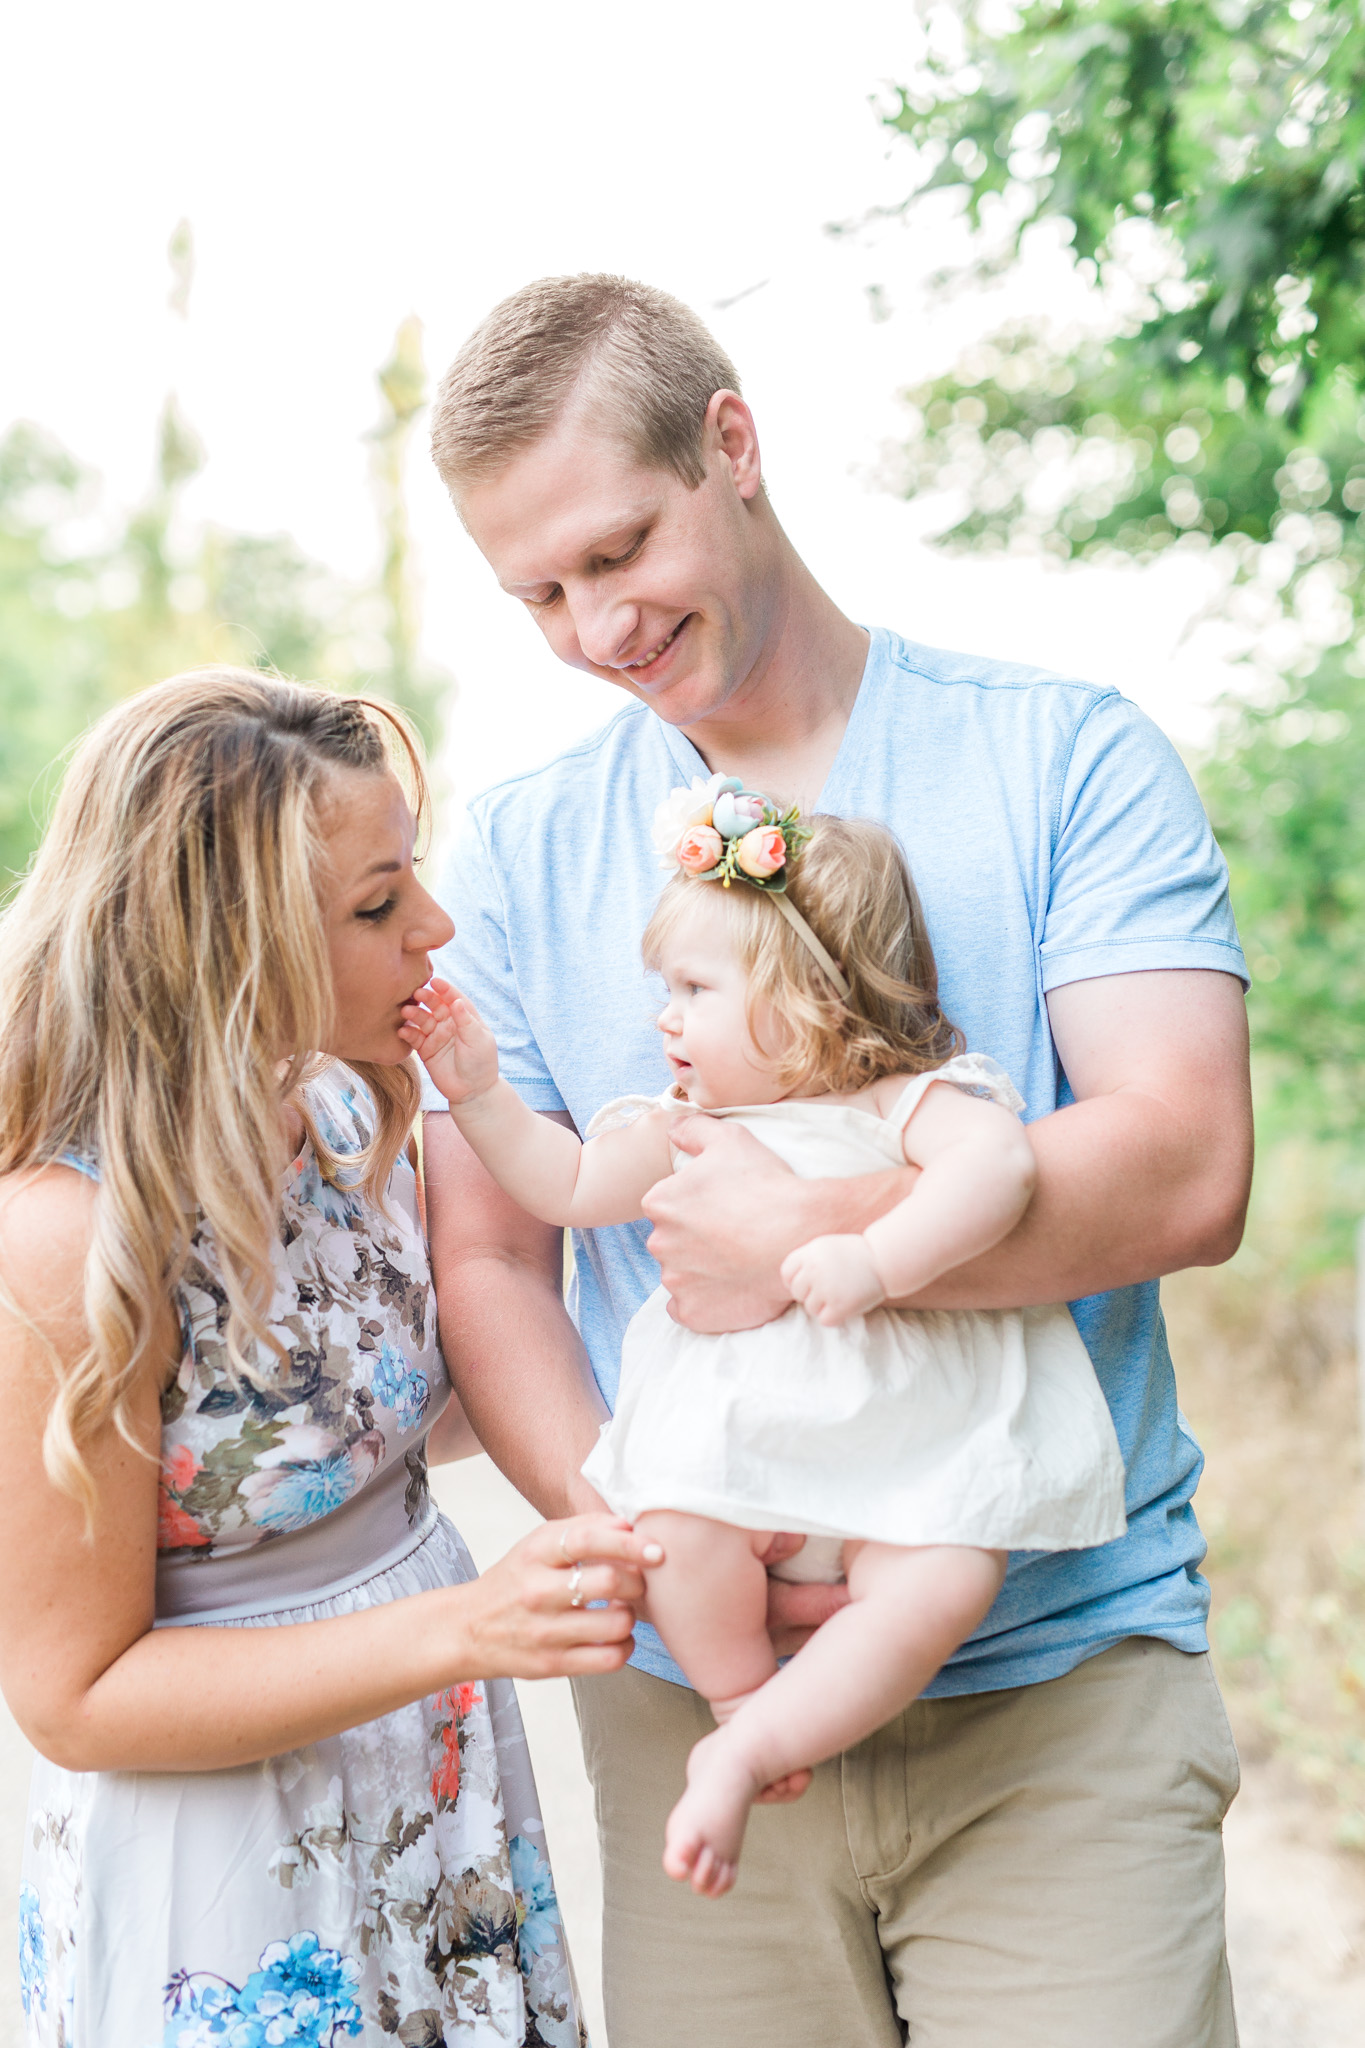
1054, 835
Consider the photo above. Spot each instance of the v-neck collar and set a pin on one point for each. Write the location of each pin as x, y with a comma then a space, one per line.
691, 763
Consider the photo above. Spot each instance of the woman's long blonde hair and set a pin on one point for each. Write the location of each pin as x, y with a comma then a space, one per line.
164, 950
855, 891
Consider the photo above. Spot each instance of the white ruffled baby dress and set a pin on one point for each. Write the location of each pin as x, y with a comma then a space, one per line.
904, 1426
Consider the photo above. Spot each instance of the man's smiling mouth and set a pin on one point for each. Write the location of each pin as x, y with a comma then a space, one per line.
647, 660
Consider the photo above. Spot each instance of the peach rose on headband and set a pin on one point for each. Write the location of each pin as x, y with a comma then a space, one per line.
761, 852
699, 849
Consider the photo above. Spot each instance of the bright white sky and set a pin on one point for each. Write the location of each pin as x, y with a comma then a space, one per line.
344, 165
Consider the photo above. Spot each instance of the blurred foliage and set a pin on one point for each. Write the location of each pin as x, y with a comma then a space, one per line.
1269, 1383
1205, 161
402, 382
95, 604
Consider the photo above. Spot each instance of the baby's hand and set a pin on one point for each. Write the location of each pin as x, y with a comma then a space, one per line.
452, 1041
834, 1278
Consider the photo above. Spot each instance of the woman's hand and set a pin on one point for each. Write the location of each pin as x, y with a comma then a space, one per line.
452, 1041
536, 1613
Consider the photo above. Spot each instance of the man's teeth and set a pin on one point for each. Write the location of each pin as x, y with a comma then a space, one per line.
655, 652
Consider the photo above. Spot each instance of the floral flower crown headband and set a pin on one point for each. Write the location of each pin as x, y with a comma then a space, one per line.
719, 831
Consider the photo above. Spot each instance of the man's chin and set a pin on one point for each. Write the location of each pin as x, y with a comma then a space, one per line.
684, 703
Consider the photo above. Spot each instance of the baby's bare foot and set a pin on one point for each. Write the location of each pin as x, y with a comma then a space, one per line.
705, 1830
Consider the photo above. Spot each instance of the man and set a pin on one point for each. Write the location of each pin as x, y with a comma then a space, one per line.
1032, 1852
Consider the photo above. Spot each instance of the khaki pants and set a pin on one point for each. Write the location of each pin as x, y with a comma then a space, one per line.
1037, 1868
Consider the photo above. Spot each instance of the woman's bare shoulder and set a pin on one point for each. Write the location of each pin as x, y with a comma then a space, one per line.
46, 1221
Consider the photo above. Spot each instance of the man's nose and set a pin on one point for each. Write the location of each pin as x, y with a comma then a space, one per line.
603, 624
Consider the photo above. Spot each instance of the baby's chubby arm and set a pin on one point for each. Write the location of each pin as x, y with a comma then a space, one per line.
543, 1167
976, 1180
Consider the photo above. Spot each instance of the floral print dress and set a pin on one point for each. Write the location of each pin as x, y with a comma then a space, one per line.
389, 1883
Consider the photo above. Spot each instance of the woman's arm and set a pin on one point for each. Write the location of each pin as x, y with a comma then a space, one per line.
546, 1169
90, 1682
976, 1178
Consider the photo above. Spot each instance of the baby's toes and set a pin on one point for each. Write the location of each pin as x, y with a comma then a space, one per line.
683, 1845
712, 1875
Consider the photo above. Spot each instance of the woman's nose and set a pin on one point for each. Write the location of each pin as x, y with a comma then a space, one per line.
434, 928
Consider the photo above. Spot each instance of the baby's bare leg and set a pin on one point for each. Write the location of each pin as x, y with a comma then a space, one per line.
908, 1611
709, 1602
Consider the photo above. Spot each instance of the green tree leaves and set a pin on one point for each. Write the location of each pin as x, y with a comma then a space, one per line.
94, 606
1207, 158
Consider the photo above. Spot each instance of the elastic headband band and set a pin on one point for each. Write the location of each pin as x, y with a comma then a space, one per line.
809, 940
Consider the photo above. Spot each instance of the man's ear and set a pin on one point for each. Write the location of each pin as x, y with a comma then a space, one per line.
730, 428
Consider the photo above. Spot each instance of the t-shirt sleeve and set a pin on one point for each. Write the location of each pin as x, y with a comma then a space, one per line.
479, 962
1137, 880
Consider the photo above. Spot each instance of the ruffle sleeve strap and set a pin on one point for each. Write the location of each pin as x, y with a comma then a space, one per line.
975, 1073
627, 1109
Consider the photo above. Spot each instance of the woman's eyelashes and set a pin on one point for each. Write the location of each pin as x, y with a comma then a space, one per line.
379, 911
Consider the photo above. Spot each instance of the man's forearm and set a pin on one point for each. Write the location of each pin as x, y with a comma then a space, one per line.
1119, 1200
1146, 1172
517, 1361
1111, 1207
523, 1376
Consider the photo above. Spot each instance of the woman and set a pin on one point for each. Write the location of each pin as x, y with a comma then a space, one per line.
281, 1795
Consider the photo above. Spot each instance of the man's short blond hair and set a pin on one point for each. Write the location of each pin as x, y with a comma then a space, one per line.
640, 361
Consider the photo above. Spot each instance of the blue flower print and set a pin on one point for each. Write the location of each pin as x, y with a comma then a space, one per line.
303, 1493
537, 1907
32, 1951
302, 1994
396, 1385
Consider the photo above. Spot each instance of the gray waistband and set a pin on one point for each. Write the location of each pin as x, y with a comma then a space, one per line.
365, 1536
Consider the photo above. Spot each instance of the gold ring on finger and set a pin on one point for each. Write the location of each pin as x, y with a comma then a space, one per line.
576, 1586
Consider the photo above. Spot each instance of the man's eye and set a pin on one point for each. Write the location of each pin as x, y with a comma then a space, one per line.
619, 561
380, 911
541, 604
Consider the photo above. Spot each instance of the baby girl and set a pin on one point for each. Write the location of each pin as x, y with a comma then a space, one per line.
912, 1448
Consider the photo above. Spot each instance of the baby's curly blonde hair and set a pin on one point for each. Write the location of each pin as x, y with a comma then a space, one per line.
854, 889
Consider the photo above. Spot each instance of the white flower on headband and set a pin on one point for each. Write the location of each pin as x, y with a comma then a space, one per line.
682, 808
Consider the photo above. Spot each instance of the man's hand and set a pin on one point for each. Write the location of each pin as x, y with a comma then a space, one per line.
796, 1611
726, 1222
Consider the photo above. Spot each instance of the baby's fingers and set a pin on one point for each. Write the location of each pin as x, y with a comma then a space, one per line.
793, 1270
